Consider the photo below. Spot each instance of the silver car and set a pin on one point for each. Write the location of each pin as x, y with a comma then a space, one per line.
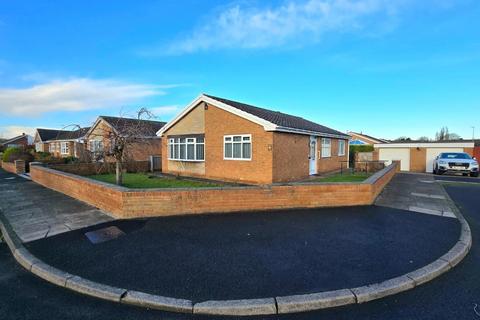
455, 162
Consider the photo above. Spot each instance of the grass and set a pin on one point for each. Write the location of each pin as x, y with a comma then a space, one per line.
141, 180
345, 177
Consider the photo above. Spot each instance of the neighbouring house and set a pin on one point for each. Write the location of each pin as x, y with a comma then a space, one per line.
476, 150
146, 143
418, 156
21, 141
61, 143
222, 139
363, 139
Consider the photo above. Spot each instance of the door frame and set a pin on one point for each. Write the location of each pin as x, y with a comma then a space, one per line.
312, 163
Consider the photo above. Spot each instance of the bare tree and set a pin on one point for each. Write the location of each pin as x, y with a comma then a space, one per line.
118, 141
444, 135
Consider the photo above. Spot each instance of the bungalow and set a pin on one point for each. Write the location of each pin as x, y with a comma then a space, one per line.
69, 144
363, 139
146, 143
42, 138
227, 140
21, 141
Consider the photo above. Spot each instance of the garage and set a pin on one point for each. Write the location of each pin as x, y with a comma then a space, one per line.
419, 156
390, 154
432, 153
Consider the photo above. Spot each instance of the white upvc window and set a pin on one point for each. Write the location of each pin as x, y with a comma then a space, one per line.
341, 147
96, 146
237, 147
64, 147
326, 147
38, 147
186, 149
51, 147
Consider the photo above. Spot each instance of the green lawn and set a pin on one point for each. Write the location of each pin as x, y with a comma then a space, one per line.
141, 180
345, 177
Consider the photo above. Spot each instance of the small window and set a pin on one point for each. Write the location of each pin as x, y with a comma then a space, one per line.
238, 147
341, 147
64, 148
326, 147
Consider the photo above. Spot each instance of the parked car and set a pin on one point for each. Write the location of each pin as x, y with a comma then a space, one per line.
455, 162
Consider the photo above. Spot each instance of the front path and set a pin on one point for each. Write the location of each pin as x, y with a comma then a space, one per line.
36, 212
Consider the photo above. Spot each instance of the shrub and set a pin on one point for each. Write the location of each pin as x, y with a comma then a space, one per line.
70, 159
12, 154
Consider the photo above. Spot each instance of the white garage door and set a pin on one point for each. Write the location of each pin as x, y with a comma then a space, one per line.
402, 154
432, 153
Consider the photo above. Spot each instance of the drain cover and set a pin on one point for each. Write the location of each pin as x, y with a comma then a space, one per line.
105, 234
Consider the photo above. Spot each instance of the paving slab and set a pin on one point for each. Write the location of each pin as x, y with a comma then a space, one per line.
417, 193
36, 212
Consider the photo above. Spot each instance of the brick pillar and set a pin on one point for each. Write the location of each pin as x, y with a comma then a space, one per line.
20, 166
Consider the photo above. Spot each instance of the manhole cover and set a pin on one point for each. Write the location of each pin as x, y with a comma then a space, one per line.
105, 234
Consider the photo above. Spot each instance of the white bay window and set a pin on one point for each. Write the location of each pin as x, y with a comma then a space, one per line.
186, 148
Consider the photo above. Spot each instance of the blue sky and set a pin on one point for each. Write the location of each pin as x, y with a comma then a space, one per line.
387, 68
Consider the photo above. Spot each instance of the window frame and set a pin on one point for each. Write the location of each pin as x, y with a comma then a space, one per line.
96, 146
231, 136
343, 142
324, 147
174, 146
65, 150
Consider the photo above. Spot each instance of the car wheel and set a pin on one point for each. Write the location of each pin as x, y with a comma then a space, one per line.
465, 174
474, 174
434, 170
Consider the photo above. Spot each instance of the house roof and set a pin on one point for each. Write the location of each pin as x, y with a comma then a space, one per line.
269, 119
53, 134
72, 134
377, 140
48, 134
22, 136
146, 128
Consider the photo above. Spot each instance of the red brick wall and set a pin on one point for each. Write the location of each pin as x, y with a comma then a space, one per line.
219, 123
476, 152
9, 166
129, 203
104, 196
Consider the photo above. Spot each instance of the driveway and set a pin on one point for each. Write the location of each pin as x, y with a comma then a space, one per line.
36, 212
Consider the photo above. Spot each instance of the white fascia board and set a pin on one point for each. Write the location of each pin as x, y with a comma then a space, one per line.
425, 145
310, 133
202, 98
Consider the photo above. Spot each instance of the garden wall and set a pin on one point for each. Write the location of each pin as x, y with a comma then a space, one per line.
17, 167
132, 203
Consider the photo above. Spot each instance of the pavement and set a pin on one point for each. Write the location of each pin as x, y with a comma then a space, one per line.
36, 212
454, 295
417, 193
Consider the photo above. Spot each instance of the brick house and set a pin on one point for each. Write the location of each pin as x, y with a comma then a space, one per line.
419, 156
61, 143
146, 143
21, 141
226, 140
363, 139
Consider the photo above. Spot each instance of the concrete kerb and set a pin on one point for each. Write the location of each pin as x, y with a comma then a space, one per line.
267, 306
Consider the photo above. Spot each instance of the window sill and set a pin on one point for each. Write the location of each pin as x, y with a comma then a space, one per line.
236, 159
182, 160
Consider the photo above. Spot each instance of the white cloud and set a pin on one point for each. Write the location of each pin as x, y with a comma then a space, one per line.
164, 110
76, 94
290, 23
8, 132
